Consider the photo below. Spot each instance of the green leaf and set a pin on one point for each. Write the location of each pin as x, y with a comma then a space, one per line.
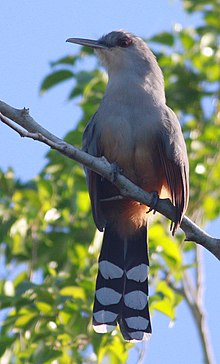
55, 78
46, 356
164, 307
25, 319
74, 291
187, 39
167, 246
68, 60
213, 19
83, 201
6, 342
23, 276
44, 307
82, 78
163, 38
196, 5
164, 300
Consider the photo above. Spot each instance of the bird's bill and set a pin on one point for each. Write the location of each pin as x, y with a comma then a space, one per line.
86, 42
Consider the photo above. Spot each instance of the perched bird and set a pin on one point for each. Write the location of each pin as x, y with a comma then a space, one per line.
136, 131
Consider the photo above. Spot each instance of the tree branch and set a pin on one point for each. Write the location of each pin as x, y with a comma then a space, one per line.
195, 304
193, 294
101, 166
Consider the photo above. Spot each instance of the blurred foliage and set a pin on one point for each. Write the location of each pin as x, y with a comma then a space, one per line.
48, 243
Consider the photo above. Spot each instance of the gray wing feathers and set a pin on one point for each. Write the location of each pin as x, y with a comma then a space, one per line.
90, 145
173, 155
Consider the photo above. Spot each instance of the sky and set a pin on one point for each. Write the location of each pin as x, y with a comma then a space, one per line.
33, 34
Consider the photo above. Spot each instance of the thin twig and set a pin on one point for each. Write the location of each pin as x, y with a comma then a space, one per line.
193, 294
199, 275
190, 293
199, 316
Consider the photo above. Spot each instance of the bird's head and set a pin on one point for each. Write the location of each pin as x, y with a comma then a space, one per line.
121, 51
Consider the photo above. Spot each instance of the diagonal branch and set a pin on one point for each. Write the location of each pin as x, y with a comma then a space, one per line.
101, 166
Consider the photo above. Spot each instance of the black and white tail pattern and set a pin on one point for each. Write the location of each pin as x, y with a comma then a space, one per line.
122, 286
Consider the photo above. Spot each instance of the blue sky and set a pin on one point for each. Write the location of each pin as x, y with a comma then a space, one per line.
33, 33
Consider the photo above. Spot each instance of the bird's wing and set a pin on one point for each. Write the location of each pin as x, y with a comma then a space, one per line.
90, 145
173, 156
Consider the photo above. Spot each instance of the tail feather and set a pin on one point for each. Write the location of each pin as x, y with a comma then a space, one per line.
122, 286
109, 283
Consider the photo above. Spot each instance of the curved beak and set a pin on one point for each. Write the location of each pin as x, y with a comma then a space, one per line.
87, 42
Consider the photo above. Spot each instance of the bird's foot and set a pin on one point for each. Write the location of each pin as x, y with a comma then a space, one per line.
154, 200
116, 170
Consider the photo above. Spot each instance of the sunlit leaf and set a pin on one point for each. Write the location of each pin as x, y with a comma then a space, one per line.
74, 291
24, 319
44, 307
83, 201
166, 300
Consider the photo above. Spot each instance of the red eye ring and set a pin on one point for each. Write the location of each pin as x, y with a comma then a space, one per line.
124, 42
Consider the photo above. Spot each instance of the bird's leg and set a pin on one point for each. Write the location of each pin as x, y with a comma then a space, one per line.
115, 170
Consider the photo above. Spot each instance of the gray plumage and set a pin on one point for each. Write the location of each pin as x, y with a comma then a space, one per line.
135, 129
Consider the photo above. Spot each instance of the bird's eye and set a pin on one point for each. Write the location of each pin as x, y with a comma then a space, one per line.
124, 42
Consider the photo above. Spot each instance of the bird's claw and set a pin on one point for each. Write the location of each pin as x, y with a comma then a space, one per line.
154, 201
115, 171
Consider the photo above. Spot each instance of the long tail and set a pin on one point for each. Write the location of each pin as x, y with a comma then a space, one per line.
122, 286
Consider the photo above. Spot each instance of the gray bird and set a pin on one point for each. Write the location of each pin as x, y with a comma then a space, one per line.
134, 129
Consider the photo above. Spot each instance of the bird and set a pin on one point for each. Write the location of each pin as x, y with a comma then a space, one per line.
141, 137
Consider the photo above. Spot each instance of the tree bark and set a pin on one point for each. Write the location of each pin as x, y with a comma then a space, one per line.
31, 129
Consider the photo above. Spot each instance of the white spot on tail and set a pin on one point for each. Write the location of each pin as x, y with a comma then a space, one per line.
138, 273
104, 316
107, 296
102, 329
110, 270
138, 323
139, 336
136, 300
